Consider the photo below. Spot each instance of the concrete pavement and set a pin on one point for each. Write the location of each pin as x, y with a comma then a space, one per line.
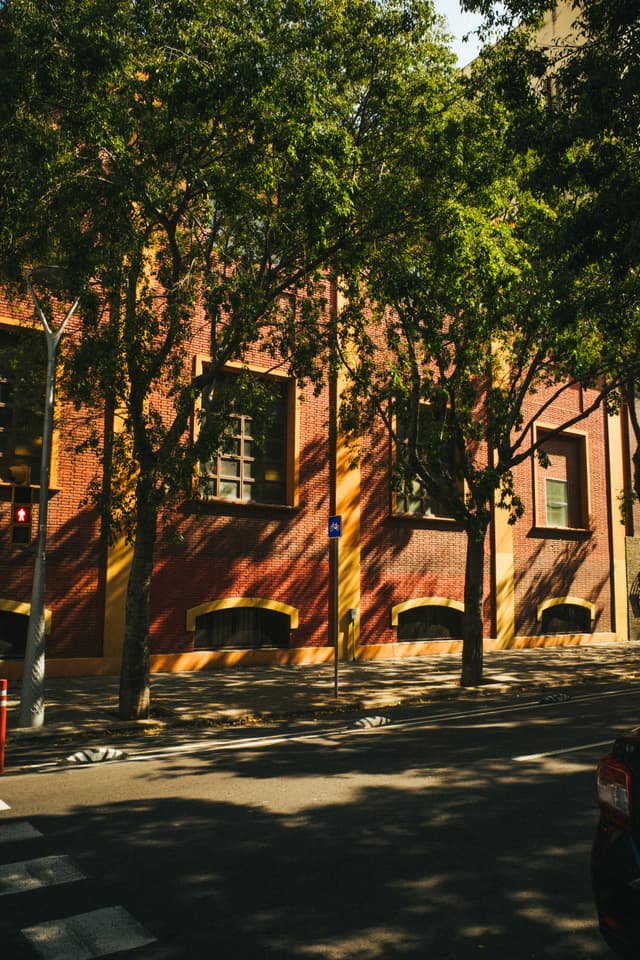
88, 706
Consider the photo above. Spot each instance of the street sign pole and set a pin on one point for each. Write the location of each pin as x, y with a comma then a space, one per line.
335, 532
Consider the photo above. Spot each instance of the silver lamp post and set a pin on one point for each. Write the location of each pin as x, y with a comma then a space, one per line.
32, 699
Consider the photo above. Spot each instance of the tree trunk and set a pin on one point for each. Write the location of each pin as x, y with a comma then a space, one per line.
134, 673
472, 621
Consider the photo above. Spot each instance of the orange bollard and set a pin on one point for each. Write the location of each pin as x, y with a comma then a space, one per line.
3, 720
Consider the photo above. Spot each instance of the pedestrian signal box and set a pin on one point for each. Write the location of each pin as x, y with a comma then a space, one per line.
21, 516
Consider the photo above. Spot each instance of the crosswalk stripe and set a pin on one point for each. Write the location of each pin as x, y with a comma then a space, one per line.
41, 872
87, 935
18, 830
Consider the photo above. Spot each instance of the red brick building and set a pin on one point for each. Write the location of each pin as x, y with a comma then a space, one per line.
250, 579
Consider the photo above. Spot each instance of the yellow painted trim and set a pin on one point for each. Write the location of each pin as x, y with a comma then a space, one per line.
423, 602
504, 574
229, 603
292, 465
221, 659
563, 640
348, 485
17, 606
573, 601
6, 320
617, 532
504, 581
119, 559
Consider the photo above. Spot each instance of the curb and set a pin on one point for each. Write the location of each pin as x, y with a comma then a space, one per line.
222, 719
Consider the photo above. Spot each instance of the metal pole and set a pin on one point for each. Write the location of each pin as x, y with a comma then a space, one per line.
32, 693
333, 494
335, 560
3, 720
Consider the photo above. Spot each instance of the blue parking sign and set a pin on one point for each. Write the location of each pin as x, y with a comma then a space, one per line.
335, 526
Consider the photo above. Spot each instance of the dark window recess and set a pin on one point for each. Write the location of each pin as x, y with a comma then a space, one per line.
252, 465
566, 618
13, 635
412, 496
430, 623
242, 628
22, 385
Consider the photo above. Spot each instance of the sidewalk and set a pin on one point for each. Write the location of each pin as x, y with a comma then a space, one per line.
246, 695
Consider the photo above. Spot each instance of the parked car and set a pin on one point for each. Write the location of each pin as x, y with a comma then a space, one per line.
615, 860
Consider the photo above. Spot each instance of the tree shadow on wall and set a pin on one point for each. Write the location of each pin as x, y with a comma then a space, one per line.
555, 580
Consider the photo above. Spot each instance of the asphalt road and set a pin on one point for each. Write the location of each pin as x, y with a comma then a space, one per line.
462, 833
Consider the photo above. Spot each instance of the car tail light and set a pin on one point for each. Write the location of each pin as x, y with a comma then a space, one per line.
614, 790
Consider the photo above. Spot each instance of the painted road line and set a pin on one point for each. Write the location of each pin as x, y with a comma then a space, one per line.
215, 745
19, 830
34, 874
558, 753
4, 806
212, 745
87, 935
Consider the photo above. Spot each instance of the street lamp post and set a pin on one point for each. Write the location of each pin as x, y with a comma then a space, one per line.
32, 699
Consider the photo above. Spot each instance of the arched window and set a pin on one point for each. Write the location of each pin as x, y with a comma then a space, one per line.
242, 623
428, 618
565, 615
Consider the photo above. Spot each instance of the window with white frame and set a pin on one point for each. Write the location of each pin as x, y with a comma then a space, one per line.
562, 487
557, 502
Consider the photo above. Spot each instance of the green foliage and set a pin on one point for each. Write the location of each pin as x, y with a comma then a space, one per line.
220, 154
193, 165
458, 318
462, 320
588, 159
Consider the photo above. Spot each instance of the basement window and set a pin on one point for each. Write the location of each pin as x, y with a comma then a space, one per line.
242, 628
430, 622
13, 635
566, 618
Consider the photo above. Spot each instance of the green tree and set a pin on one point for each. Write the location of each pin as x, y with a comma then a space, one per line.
193, 162
589, 159
453, 323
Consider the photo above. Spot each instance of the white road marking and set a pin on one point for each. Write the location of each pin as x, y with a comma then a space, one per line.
215, 745
19, 830
4, 806
33, 874
557, 753
87, 935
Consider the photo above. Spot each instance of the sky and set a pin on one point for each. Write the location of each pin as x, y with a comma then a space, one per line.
459, 24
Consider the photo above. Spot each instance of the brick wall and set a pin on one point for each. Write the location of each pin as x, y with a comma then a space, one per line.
553, 562
238, 550
402, 557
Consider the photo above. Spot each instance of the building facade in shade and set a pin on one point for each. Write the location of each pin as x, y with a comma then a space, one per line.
249, 579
